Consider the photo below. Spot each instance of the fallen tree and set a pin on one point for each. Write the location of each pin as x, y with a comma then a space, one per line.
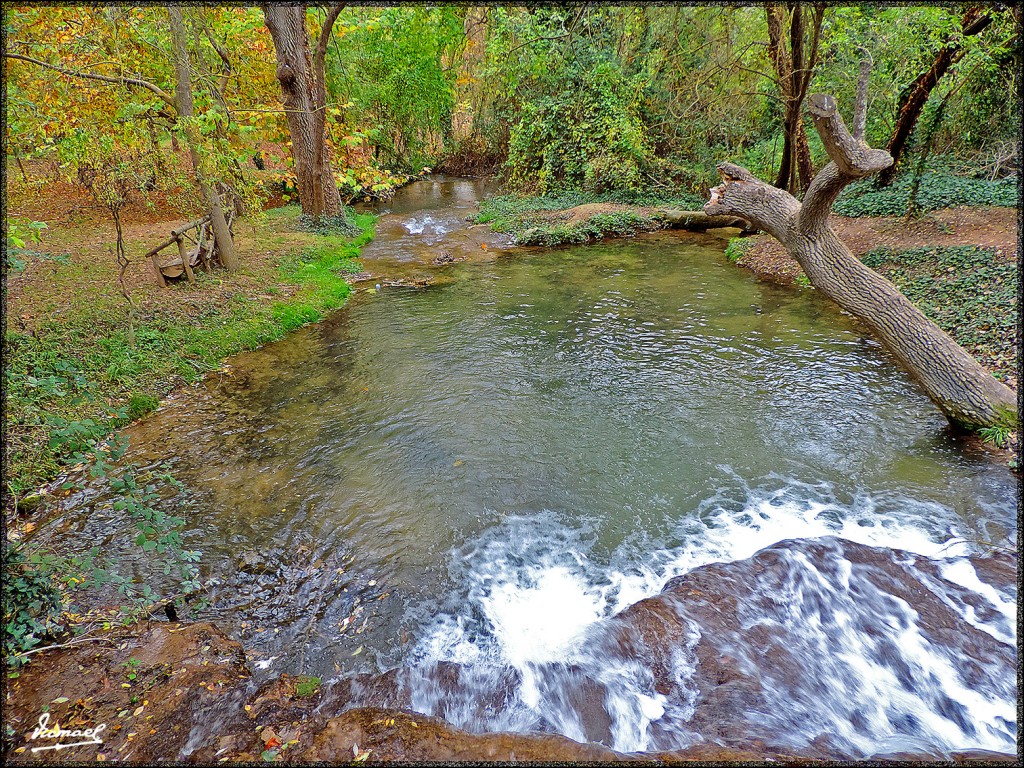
964, 391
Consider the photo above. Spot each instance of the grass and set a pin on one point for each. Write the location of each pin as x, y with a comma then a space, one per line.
76, 370
737, 248
968, 291
306, 685
534, 220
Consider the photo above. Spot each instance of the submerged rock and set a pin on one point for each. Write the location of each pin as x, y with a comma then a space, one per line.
809, 650
826, 645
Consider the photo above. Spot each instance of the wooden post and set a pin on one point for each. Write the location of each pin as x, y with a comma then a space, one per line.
184, 259
156, 268
201, 247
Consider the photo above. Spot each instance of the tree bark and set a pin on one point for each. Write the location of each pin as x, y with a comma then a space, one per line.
794, 69
300, 73
186, 109
962, 389
974, 21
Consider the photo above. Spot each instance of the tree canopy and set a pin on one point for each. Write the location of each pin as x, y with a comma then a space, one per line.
567, 97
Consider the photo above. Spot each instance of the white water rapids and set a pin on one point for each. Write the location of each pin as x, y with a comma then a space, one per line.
533, 630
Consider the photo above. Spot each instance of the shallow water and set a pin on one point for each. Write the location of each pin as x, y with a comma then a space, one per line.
486, 471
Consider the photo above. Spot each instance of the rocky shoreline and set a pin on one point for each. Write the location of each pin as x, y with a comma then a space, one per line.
184, 692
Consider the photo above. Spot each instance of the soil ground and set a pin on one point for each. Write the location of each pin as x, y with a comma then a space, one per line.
988, 227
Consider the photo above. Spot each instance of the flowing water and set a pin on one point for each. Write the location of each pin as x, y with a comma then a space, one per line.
485, 472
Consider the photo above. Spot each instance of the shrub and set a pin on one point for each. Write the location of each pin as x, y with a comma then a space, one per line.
32, 603
586, 135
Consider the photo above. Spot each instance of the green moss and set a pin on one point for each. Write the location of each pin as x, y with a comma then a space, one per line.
306, 685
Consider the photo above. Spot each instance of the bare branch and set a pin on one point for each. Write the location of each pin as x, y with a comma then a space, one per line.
819, 15
222, 81
325, 36
853, 158
164, 96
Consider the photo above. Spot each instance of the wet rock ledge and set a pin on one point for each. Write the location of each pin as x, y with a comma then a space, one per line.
183, 693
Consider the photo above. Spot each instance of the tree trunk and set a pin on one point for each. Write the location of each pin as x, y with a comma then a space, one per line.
304, 94
184, 105
794, 69
917, 95
962, 389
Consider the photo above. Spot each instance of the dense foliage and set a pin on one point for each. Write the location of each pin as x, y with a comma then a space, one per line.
605, 97
586, 97
937, 189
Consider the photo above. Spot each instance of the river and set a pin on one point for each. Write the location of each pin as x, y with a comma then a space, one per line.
482, 473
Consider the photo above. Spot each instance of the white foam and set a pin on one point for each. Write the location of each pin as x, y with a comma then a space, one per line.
962, 572
540, 620
535, 601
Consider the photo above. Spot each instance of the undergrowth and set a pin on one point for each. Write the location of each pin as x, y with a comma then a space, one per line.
737, 248
968, 291
937, 190
41, 586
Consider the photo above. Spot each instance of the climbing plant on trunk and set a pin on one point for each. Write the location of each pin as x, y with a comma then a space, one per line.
916, 96
963, 390
300, 72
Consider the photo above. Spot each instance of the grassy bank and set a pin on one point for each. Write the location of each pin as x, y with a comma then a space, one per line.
71, 371
577, 217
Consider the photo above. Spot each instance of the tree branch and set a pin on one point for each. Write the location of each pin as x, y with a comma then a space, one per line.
164, 96
225, 75
977, 25
852, 159
325, 36
742, 194
819, 15
860, 112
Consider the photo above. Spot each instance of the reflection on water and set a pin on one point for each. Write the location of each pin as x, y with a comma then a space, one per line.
623, 396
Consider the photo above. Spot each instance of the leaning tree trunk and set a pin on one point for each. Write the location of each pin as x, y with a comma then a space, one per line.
186, 109
303, 91
962, 389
